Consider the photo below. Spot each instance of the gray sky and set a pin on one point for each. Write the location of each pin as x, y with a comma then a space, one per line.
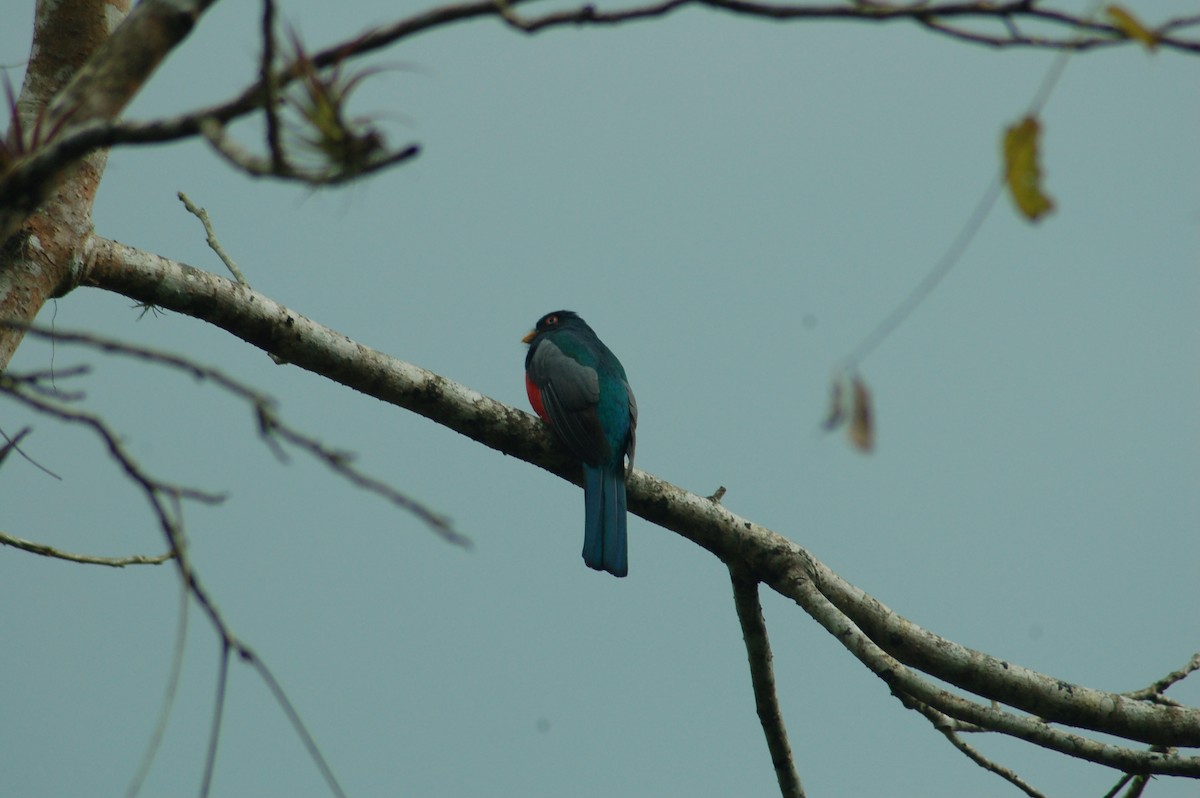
696, 188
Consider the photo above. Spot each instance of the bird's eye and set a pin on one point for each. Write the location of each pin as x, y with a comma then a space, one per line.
552, 320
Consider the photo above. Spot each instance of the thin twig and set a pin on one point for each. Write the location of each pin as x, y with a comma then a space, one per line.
246, 161
49, 551
13, 444
339, 462
230, 645
293, 717
1155, 690
214, 732
149, 484
166, 502
172, 689
106, 134
270, 82
947, 726
1116, 788
762, 678
38, 169
1137, 786
213, 243
921, 291
270, 425
987, 201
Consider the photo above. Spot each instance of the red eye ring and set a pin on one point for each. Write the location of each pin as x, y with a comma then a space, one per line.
552, 320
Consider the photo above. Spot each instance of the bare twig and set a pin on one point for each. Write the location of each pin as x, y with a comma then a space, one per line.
211, 238
13, 444
270, 82
949, 728
44, 383
246, 161
152, 486
310, 744
230, 645
1116, 788
927, 284
988, 198
49, 551
81, 139
172, 688
271, 427
165, 500
1154, 691
339, 462
762, 678
214, 731
1137, 786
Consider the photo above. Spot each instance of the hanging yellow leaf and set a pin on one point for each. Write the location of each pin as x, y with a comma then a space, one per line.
1128, 24
862, 428
1021, 169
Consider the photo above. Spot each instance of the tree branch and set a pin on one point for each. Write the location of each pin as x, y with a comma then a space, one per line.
1082, 34
880, 638
1040, 695
800, 582
762, 678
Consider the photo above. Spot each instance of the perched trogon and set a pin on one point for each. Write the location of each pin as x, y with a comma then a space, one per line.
577, 385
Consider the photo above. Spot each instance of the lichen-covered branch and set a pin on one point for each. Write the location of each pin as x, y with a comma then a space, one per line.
762, 680
894, 648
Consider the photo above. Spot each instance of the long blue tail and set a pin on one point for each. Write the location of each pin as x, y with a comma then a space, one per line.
604, 544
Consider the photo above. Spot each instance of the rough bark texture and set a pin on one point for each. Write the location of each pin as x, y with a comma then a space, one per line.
88, 60
37, 259
890, 645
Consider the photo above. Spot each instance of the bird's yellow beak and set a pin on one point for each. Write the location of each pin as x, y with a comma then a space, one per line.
528, 339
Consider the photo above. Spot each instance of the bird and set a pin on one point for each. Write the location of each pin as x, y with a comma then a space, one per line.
577, 386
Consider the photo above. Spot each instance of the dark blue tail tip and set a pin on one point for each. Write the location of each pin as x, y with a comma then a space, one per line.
616, 569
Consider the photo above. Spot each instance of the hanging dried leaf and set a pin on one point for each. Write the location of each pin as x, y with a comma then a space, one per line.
837, 412
1128, 24
850, 403
862, 429
1021, 169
